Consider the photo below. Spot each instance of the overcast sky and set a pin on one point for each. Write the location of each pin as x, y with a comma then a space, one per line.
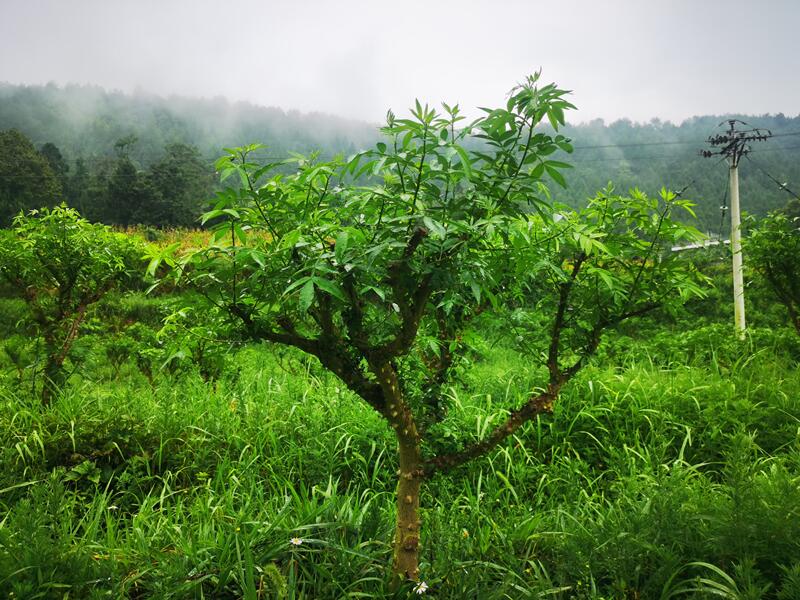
639, 59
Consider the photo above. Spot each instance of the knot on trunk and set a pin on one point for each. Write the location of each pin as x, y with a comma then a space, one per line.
410, 543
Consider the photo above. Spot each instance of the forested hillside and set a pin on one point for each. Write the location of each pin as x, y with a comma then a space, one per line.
658, 153
88, 120
154, 155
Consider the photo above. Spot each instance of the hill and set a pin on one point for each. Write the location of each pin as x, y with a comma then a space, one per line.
87, 122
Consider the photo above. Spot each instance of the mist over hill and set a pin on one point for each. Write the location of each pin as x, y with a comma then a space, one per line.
86, 122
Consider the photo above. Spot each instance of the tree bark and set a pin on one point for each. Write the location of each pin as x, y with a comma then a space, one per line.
405, 563
536, 405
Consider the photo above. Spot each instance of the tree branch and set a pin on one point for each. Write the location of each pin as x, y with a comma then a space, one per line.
558, 323
330, 351
539, 404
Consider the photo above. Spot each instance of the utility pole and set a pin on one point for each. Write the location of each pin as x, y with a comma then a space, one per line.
734, 144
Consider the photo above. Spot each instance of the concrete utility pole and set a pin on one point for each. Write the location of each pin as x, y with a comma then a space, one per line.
733, 145
736, 250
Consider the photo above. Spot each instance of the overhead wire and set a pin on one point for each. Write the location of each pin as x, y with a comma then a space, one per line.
109, 160
782, 186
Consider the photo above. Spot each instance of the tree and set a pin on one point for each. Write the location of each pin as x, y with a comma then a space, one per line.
185, 183
57, 163
61, 264
773, 249
124, 145
132, 199
26, 179
378, 281
77, 188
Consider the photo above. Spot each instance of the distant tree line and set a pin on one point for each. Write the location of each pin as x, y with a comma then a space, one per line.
124, 159
170, 192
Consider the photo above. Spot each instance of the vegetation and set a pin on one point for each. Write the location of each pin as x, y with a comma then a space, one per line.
27, 180
85, 123
662, 455
226, 435
378, 282
655, 154
60, 265
774, 247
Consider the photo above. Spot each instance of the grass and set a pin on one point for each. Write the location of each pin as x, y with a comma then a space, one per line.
675, 475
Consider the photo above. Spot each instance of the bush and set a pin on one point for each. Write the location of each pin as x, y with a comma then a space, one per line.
61, 265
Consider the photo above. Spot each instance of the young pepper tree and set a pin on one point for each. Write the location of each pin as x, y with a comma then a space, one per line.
376, 264
61, 264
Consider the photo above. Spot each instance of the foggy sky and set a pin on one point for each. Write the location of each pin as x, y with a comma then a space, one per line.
639, 59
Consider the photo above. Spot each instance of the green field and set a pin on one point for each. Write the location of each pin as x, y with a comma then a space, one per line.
670, 469
398, 374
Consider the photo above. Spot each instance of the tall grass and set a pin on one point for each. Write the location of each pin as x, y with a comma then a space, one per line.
651, 480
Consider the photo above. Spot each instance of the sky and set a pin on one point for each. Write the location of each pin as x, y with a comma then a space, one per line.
636, 59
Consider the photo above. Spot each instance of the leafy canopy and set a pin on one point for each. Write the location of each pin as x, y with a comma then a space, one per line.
60, 261
355, 250
377, 264
27, 180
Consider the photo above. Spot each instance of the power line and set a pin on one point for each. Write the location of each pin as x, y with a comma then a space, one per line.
663, 143
780, 185
778, 149
621, 159
638, 144
209, 162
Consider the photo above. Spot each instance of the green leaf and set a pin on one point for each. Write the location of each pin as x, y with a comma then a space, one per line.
556, 176
329, 286
606, 277
307, 295
212, 214
153, 265
341, 246
296, 284
465, 162
476, 291
240, 233
291, 239
559, 165
378, 291
434, 227
258, 257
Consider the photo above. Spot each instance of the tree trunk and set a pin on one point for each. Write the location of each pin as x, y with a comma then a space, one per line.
405, 565
53, 378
